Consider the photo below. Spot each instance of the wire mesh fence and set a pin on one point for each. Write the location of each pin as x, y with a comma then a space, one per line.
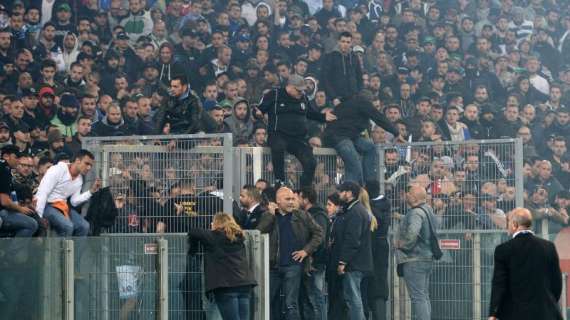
158, 182
256, 164
471, 184
31, 278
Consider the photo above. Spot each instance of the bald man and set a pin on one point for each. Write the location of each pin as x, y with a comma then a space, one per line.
293, 237
527, 282
415, 257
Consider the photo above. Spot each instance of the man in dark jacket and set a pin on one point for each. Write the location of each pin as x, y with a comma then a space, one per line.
288, 109
351, 252
183, 113
313, 291
252, 210
342, 73
112, 125
527, 282
293, 237
354, 117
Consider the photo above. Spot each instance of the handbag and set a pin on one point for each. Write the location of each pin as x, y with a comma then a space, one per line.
434, 241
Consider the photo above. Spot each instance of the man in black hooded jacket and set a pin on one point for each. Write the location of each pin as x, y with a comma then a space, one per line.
342, 72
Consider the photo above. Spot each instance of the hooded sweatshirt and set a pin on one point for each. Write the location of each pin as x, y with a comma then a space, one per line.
241, 129
137, 25
342, 75
70, 56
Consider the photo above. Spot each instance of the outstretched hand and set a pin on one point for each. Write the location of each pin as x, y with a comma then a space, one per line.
329, 116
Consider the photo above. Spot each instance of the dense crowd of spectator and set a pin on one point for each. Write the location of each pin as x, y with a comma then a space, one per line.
380, 72
437, 70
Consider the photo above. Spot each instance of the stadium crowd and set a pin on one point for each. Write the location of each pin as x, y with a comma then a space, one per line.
293, 75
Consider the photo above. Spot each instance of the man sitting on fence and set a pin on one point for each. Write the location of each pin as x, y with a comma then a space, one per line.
61, 182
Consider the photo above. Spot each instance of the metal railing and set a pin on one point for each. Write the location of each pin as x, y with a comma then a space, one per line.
116, 276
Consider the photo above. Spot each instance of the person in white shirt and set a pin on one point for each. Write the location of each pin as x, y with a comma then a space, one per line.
61, 182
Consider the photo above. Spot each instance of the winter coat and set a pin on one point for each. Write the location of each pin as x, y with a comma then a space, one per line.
104, 129
225, 262
342, 75
353, 117
184, 114
102, 211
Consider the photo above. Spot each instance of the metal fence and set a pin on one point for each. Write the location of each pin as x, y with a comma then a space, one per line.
159, 182
110, 277
471, 184
255, 164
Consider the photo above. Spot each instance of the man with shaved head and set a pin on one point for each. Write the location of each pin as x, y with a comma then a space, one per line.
527, 282
415, 243
293, 237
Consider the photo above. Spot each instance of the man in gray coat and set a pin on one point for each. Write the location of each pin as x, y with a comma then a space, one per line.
414, 255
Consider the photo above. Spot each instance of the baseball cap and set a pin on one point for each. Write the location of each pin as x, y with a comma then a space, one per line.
4, 125
46, 91
122, 36
63, 7
30, 92
297, 81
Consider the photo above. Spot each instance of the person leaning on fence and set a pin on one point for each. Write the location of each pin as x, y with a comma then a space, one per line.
293, 238
527, 281
288, 110
228, 274
344, 135
61, 182
415, 252
351, 253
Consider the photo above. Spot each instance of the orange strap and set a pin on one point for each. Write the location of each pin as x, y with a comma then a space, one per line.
62, 206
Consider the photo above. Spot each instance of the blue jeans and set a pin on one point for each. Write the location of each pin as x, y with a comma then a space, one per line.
289, 280
19, 224
314, 304
416, 276
355, 167
352, 294
234, 304
75, 226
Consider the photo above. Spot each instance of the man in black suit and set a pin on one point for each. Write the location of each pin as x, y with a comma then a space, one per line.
527, 282
252, 209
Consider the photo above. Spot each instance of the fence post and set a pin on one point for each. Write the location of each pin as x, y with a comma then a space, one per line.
68, 279
381, 169
519, 179
264, 285
257, 160
105, 278
563, 297
162, 269
476, 276
228, 172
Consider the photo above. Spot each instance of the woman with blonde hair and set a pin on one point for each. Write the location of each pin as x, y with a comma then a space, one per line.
364, 198
228, 274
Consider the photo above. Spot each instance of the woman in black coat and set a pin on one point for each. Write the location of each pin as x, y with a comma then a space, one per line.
228, 274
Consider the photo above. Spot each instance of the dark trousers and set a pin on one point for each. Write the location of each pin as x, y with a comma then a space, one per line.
234, 303
288, 281
279, 144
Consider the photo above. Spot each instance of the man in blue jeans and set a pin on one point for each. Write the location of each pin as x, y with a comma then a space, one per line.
414, 255
61, 182
351, 250
359, 154
16, 219
293, 237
